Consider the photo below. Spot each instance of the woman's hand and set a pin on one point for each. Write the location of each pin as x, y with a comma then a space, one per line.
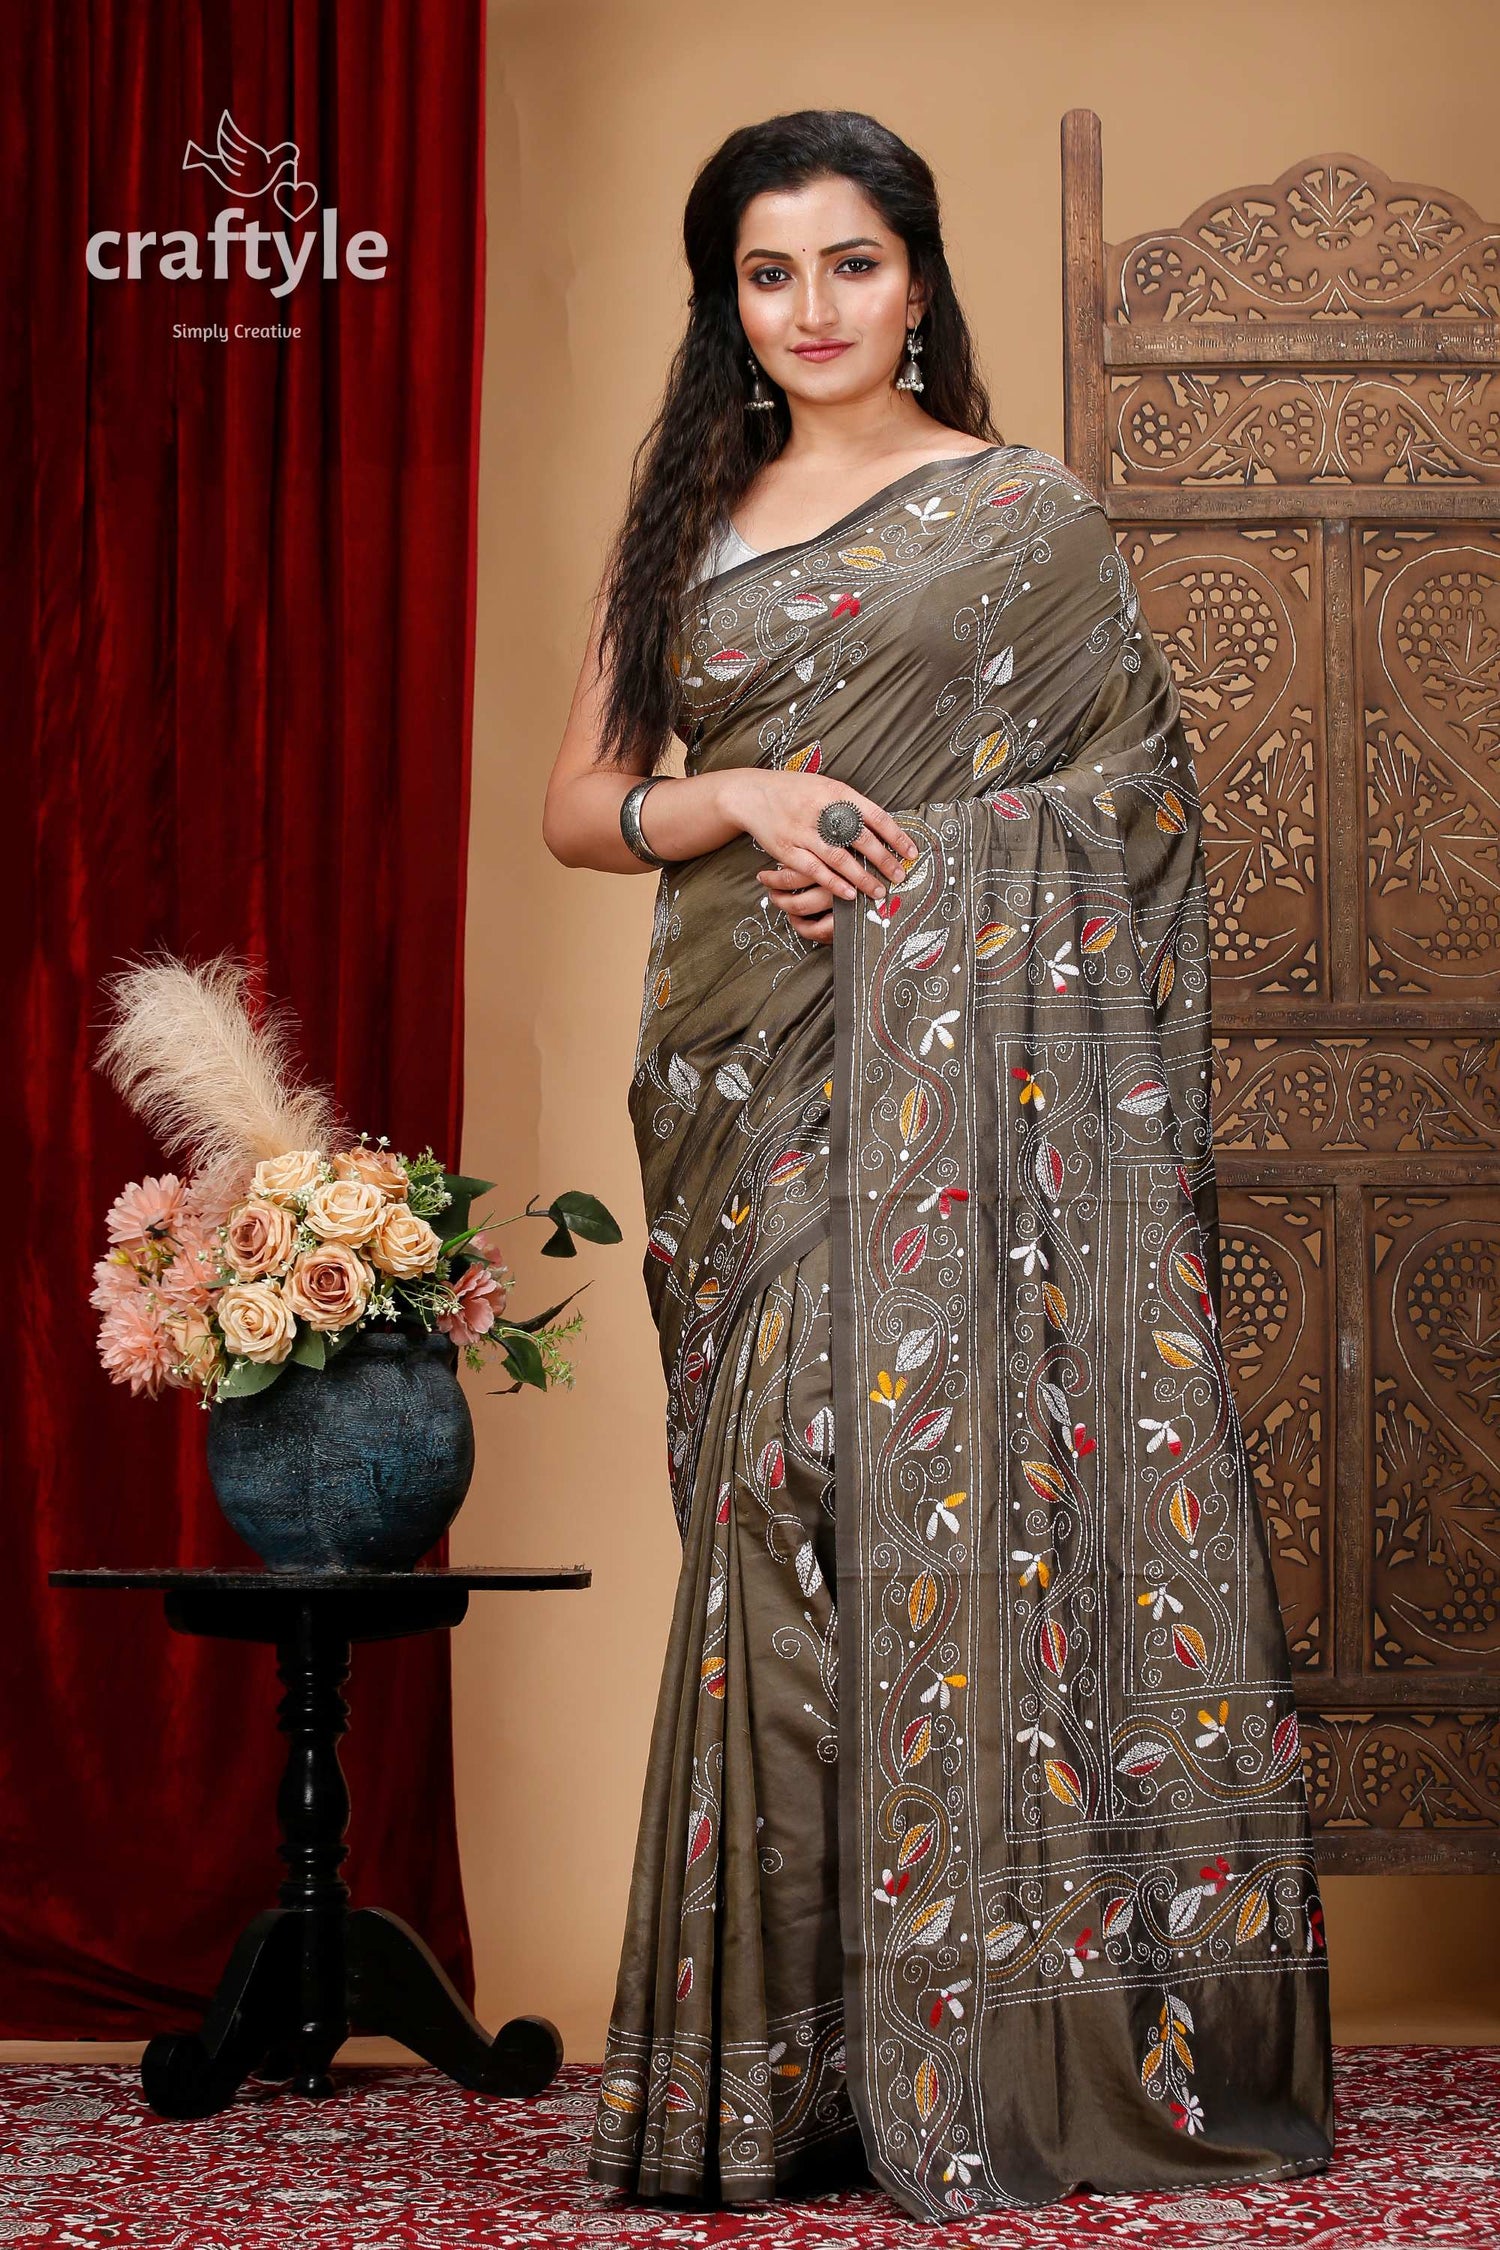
779, 812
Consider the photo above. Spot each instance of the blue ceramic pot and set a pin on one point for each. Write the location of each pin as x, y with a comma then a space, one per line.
359, 1465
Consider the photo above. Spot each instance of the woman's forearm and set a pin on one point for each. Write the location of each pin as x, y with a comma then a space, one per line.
680, 818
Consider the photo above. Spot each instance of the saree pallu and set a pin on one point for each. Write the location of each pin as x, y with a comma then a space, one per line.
974, 1846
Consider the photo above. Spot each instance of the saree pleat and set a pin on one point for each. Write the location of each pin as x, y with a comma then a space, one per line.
724, 2075
1020, 1895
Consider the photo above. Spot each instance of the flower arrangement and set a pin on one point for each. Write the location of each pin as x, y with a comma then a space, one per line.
289, 1234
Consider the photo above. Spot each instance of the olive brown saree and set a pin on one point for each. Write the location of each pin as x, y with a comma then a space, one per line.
974, 1847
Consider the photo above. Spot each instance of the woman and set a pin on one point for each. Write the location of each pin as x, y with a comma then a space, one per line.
974, 1847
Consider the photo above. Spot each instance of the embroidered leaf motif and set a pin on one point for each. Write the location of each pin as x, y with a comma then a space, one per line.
789, 1165
1002, 1940
916, 1741
1098, 933
991, 754
909, 1250
916, 1108
819, 1432
623, 2093
1152, 2064
1009, 806
1187, 1643
1143, 1758
1063, 1782
711, 1675
1144, 1100
915, 1349
925, 2087
999, 668
1166, 977
806, 760
923, 949
772, 1464
1053, 1644
1049, 1170
661, 991
1056, 1304
916, 1843
1176, 1349
683, 1079
1185, 1512
1118, 1916
922, 1600
931, 1923
992, 937
862, 558
1254, 1915
698, 1837
1055, 1401
1189, 1268
1045, 1481
1170, 817
809, 1573
769, 1336
1183, 1911
662, 1244
927, 1430
1285, 1741
733, 1082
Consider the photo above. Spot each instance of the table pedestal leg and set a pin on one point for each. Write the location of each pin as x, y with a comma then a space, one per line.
301, 1969
397, 1986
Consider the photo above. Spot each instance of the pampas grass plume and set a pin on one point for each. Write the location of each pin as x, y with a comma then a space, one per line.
217, 1089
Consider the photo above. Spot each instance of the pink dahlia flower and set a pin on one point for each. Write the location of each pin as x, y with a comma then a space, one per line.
112, 1281
190, 1280
480, 1300
144, 1212
134, 1346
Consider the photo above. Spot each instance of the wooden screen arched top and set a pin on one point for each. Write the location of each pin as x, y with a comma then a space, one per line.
1334, 238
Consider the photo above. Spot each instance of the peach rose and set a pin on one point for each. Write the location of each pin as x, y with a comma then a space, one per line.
261, 1238
403, 1244
380, 1166
257, 1321
328, 1287
195, 1343
345, 1211
281, 1177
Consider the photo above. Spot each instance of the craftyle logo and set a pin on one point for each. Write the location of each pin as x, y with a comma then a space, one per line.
243, 167
246, 169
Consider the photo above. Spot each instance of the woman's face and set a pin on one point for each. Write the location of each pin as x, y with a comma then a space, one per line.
816, 266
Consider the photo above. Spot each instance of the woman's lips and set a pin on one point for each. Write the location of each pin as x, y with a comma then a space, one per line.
819, 351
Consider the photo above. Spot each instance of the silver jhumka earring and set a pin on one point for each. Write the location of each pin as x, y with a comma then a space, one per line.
910, 380
759, 401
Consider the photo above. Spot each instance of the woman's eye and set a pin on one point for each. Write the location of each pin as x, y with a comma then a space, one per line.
767, 273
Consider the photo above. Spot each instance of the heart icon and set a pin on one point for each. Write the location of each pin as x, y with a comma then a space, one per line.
295, 197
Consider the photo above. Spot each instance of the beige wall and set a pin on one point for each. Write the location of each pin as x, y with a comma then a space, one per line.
599, 112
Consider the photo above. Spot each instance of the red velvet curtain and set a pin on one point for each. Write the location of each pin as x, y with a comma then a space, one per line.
236, 631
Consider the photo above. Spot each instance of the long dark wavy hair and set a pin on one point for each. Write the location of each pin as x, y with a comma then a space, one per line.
703, 449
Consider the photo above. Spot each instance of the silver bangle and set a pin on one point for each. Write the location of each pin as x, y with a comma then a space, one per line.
630, 822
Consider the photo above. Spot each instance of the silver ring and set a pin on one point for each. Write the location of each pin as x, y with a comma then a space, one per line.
840, 821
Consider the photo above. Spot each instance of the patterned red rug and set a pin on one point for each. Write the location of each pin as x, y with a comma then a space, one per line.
402, 2160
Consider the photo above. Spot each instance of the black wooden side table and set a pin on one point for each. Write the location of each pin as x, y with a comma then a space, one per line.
302, 1970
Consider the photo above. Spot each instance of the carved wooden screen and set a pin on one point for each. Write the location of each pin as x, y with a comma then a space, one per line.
1290, 405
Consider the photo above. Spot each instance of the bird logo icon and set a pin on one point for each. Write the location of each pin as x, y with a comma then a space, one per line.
243, 167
